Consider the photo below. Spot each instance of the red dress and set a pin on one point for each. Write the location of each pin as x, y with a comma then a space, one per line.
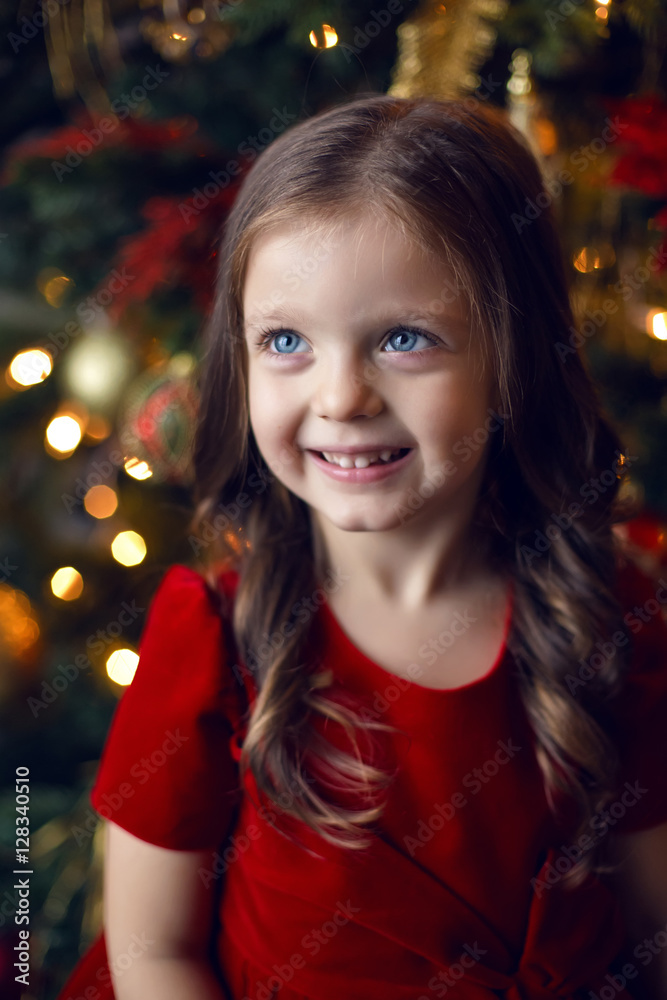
462, 885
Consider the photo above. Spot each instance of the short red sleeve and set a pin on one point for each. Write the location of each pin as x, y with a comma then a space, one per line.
167, 773
641, 708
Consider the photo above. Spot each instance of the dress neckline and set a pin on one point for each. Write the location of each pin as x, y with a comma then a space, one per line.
352, 654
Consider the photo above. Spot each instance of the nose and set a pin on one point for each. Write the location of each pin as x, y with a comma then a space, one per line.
347, 387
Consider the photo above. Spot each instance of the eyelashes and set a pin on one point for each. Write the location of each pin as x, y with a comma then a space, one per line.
265, 337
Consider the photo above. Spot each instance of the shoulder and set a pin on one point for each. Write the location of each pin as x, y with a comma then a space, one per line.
187, 642
184, 596
189, 583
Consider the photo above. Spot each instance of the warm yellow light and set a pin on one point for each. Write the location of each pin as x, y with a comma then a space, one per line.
587, 259
656, 324
602, 13
45, 275
128, 548
67, 583
121, 666
53, 284
547, 138
30, 367
330, 38
519, 85
660, 326
64, 433
18, 625
182, 364
54, 290
138, 469
100, 501
23, 635
98, 427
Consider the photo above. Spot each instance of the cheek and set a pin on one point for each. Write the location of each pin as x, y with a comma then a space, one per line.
451, 418
263, 403
272, 419
264, 433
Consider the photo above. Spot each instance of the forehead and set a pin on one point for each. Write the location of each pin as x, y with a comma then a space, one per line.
312, 237
361, 263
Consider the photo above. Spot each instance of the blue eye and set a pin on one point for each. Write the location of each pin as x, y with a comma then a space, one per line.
280, 335
268, 335
411, 331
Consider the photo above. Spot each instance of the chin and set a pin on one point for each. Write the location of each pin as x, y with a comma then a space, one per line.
371, 520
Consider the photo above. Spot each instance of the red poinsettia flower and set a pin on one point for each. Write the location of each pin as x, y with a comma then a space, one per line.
88, 136
178, 247
642, 144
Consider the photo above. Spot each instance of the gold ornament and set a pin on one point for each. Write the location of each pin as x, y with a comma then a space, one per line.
441, 47
72, 32
80, 29
179, 33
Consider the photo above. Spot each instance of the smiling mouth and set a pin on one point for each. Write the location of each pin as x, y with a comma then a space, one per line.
350, 461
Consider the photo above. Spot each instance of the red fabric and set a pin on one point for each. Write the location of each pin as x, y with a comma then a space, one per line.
166, 772
461, 884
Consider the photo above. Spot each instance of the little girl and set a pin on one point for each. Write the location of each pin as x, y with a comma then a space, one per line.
398, 736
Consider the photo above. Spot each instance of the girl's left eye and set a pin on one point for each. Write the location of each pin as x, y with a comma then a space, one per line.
266, 336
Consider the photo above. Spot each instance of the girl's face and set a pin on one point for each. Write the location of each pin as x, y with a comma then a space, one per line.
374, 353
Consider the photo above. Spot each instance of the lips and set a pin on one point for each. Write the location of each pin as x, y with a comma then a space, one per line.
369, 474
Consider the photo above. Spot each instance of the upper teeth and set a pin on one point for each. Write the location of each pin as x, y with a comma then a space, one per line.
358, 461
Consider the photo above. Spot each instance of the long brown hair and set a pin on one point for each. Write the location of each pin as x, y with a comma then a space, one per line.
458, 180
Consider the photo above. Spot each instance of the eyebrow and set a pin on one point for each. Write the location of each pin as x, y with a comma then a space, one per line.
390, 314
275, 316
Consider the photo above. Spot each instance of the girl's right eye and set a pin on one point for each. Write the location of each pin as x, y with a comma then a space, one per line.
266, 336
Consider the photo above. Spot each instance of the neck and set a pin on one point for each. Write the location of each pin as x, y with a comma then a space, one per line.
408, 573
